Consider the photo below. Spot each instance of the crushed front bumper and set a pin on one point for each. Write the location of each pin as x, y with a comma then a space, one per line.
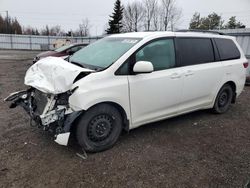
50, 112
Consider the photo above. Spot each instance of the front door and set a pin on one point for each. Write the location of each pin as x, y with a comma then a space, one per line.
153, 96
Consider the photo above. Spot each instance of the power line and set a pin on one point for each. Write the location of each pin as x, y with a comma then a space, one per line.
101, 15
53, 13
78, 13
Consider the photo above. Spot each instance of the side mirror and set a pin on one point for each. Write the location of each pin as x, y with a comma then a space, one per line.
143, 67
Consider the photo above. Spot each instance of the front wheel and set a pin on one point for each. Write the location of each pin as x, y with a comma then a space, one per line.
99, 128
223, 99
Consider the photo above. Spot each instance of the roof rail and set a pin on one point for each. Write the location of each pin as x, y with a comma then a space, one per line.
201, 31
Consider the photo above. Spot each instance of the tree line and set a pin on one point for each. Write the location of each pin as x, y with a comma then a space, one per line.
161, 15
9, 25
144, 15
214, 21
148, 15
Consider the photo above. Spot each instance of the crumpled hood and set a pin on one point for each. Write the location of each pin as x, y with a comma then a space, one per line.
53, 75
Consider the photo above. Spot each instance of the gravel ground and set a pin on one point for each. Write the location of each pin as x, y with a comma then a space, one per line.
195, 150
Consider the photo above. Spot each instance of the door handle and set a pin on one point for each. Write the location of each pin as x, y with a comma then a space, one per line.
189, 73
175, 75
229, 70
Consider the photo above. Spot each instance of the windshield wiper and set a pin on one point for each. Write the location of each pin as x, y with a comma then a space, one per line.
78, 64
97, 69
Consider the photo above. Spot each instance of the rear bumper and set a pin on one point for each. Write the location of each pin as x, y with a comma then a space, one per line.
51, 117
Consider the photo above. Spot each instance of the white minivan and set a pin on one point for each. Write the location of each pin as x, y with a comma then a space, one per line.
127, 80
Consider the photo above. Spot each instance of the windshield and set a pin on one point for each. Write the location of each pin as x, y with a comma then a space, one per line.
104, 52
63, 48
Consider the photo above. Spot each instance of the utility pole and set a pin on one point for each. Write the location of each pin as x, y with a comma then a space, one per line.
7, 22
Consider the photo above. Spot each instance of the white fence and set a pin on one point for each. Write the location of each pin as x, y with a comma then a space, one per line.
34, 42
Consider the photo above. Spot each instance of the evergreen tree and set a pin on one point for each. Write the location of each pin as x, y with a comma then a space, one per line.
37, 32
115, 23
2, 24
10, 25
47, 30
212, 21
195, 21
233, 23
16, 27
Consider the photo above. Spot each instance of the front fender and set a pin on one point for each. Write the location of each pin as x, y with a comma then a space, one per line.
83, 99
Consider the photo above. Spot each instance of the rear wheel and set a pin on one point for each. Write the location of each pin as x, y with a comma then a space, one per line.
99, 128
223, 99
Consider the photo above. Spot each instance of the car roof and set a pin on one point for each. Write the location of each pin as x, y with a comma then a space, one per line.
142, 34
156, 34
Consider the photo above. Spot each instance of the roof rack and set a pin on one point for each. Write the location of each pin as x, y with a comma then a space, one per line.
201, 31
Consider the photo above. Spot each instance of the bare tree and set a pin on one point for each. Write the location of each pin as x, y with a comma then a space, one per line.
128, 18
175, 17
150, 8
28, 30
152, 15
170, 14
55, 30
84, 27
133, 15
45, 31
156, 17
166, 9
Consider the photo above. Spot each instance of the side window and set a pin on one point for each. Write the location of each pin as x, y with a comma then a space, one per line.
160, 53
75, 49
193, 51
227, 49
124, 69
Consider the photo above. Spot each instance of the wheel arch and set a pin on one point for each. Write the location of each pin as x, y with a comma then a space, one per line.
233, 85
120, 109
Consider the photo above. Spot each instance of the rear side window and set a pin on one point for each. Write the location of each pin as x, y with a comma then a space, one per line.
193, 51
76, 48
227, 49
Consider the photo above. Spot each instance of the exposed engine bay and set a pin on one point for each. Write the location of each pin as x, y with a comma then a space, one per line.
47, 99
47, 111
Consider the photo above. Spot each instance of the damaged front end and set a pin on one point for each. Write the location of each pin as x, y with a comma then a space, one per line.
48, 111
50, 82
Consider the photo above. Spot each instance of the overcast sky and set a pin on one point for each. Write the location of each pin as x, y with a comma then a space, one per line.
68, 14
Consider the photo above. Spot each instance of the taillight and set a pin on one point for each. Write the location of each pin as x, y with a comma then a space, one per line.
245, 65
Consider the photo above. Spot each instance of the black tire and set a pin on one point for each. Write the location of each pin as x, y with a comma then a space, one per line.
223, 100
99, 128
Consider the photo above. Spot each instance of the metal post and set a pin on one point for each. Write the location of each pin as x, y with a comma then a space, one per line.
30, 42
48, 42
7, 23
11, 42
